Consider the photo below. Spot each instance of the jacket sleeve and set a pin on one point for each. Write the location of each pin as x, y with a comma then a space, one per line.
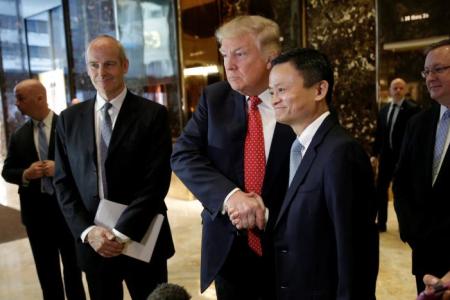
192, 164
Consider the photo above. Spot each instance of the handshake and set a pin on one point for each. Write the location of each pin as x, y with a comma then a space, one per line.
436, 289
246, 210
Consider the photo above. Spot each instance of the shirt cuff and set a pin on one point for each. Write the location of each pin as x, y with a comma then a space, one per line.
225, 202
120, 237
25, 182
85, 233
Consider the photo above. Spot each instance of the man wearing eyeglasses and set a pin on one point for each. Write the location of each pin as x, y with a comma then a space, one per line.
391, 124
422, 181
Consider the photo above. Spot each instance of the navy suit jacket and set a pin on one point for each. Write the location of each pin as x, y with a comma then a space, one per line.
326, 242
22, 153
137, 172
422, 208
381, 144
209, 158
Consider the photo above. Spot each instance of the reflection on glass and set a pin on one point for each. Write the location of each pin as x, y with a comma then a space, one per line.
47, 54
147, 31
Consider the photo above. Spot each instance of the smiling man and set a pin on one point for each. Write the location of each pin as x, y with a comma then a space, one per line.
115, 147
234, 157
326, 242
421, 184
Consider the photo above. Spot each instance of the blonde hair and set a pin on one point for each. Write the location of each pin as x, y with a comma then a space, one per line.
266, 32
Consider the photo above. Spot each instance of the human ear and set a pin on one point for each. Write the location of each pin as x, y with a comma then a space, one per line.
321, 90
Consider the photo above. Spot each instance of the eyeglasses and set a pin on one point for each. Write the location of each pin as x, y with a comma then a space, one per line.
435, 70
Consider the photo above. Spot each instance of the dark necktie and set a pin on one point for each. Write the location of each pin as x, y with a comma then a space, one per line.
46, 182
390, 123
295, 159
441, 137
105, 137
254, 163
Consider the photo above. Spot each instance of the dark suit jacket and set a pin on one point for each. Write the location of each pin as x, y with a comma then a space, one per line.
22, 153
209, 158
381, 144
423, 209
326, 242
137, 172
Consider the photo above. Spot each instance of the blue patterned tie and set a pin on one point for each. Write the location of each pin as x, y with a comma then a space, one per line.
295, 159
46, 182
441, 137
105, 137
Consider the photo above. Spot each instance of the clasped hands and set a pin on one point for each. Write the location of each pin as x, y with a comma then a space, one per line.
104, 242
432, 283
246, 210
39, 169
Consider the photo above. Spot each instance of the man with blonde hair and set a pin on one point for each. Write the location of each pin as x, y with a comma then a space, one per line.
234, 157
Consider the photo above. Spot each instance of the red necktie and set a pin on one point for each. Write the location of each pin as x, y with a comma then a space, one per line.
254, 163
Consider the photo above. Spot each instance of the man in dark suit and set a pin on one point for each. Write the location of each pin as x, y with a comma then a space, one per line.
391, 126
326, 242
133, 169
216, 158
30, 165
421, 183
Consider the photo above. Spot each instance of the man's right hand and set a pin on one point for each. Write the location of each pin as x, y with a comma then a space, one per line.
103, 241
246, 210
34, 171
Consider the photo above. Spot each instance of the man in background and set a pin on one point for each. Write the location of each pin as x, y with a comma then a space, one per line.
421, 183
114, 147
391, 125
233, 155
30, 164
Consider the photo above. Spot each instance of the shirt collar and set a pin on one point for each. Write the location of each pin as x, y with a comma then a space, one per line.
265, 97
399, 103
308, 133
443, 110
116, 102
47, 120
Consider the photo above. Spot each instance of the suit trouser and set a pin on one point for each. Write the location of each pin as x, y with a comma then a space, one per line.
141, 279
49, 240
245, 275
385, 174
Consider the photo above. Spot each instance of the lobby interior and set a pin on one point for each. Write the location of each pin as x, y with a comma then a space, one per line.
175, 55
18, 279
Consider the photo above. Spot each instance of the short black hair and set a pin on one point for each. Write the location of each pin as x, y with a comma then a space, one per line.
430, 48
313, 65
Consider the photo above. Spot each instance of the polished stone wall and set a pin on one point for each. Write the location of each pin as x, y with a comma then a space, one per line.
345, 31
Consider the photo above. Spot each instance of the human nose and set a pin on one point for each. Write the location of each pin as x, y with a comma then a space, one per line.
275, 99
101, 70
229, 63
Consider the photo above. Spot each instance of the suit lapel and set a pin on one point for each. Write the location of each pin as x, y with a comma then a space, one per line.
306, 163
34, 156
279, 153
238, 128
124, 121
51, 143
87, 128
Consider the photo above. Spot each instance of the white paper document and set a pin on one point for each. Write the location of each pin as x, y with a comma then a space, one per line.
108, 214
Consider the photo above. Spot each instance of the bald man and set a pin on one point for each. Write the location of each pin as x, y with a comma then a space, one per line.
391, 125
30, 165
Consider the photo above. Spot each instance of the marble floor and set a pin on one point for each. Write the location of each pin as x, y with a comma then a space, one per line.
18, 277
